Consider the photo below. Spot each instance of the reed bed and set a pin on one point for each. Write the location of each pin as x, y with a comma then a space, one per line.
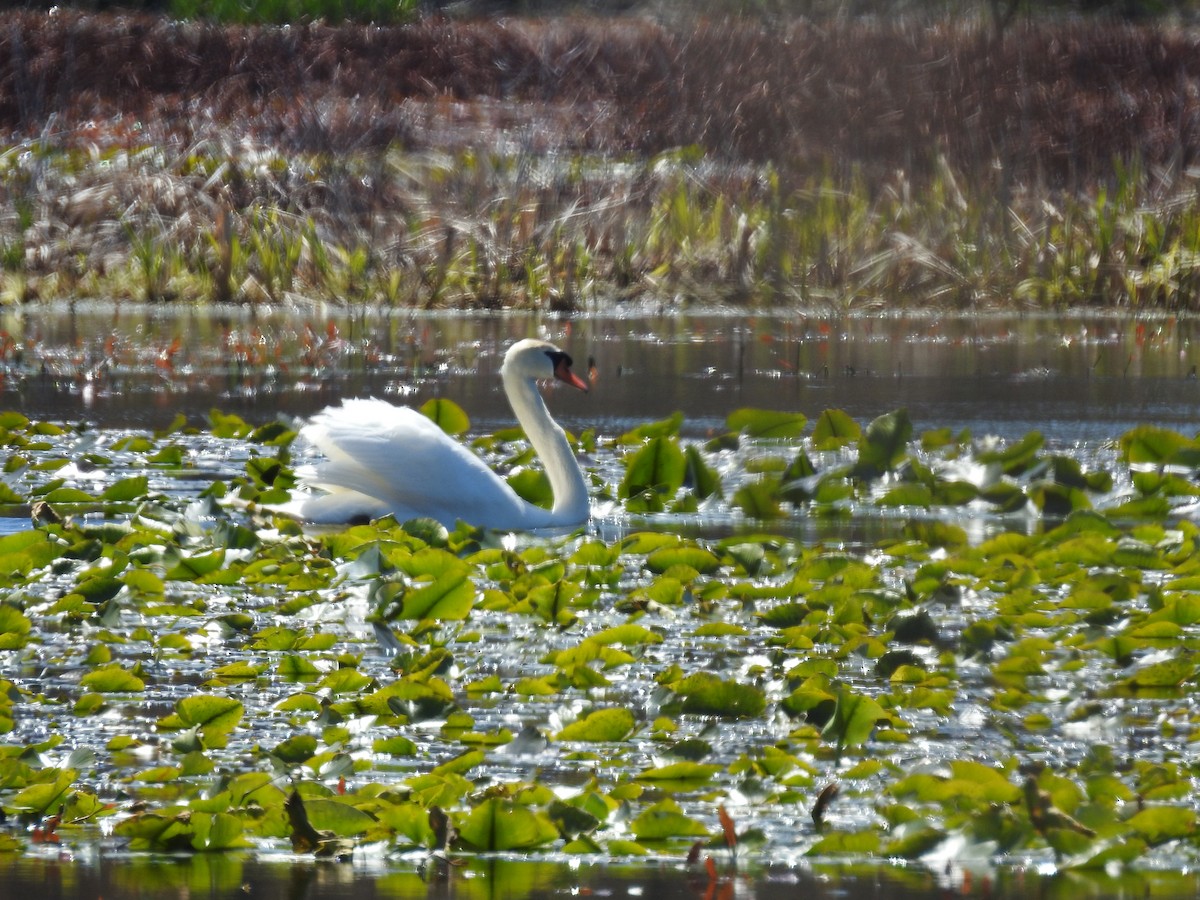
557, 162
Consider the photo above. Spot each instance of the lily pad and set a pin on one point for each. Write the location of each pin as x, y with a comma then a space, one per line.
883, 444
447, 414
614, 724
498, 825
659, 468
766, 424
708, 695
835, 429
113, 679
665, 820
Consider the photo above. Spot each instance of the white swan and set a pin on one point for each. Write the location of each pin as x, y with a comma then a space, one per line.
389, 459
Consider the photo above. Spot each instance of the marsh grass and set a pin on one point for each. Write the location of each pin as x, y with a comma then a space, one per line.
455, 230
555, 163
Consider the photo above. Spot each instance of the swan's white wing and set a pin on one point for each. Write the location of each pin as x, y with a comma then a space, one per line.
401, 462
338, 507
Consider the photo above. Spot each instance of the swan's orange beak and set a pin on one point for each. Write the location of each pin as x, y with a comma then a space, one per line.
562, 371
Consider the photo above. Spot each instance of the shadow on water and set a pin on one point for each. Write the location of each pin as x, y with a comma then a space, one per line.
230, 875
1072, 378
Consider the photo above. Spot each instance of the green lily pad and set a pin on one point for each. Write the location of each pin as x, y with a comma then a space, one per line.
210, 716
44, 797
337, 816
25, 551
196, 566
765, 423
834, 429
296, 749
113, 679
14, 628
668, 427
450, 596
614, 724
1170, 673
883, 444
532, 485
1159, 824
498, 825
447, 414
703, 561
133, 488
665, 820
658, 468
708, 695
759, 500
699, 475
1159, 446
854, 718
688, 775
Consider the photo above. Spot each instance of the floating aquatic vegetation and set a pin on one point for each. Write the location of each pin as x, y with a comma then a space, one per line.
204, 675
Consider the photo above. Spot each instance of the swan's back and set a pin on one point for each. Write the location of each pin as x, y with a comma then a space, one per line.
385, 459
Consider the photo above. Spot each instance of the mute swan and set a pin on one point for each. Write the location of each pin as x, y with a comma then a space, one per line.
389, 459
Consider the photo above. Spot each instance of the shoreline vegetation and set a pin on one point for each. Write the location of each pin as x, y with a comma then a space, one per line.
559, 162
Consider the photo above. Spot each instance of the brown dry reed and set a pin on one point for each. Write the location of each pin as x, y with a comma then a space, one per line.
1053, 101
541, 162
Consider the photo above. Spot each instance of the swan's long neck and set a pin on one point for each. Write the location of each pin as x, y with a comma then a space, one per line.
550, 443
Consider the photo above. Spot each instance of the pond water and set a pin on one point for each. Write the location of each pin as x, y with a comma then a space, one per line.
229, 875
1075, 378
1080, 380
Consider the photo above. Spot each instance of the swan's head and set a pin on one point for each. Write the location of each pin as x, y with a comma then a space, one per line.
540, 361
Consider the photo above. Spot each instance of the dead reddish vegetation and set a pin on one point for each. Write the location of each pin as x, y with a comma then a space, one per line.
1052, 103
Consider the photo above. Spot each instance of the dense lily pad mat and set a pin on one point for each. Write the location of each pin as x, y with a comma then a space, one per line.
189, 672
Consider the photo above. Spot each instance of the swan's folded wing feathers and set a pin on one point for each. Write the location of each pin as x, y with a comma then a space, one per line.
400, 458
343, 506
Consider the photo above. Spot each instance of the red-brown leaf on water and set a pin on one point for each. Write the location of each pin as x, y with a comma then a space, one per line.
727, 828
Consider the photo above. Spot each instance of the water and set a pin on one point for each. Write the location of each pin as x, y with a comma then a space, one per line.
1081, 381
1074, 378
228, 875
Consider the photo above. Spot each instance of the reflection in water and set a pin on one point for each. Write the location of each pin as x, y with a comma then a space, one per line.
229, 875
1073, 378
